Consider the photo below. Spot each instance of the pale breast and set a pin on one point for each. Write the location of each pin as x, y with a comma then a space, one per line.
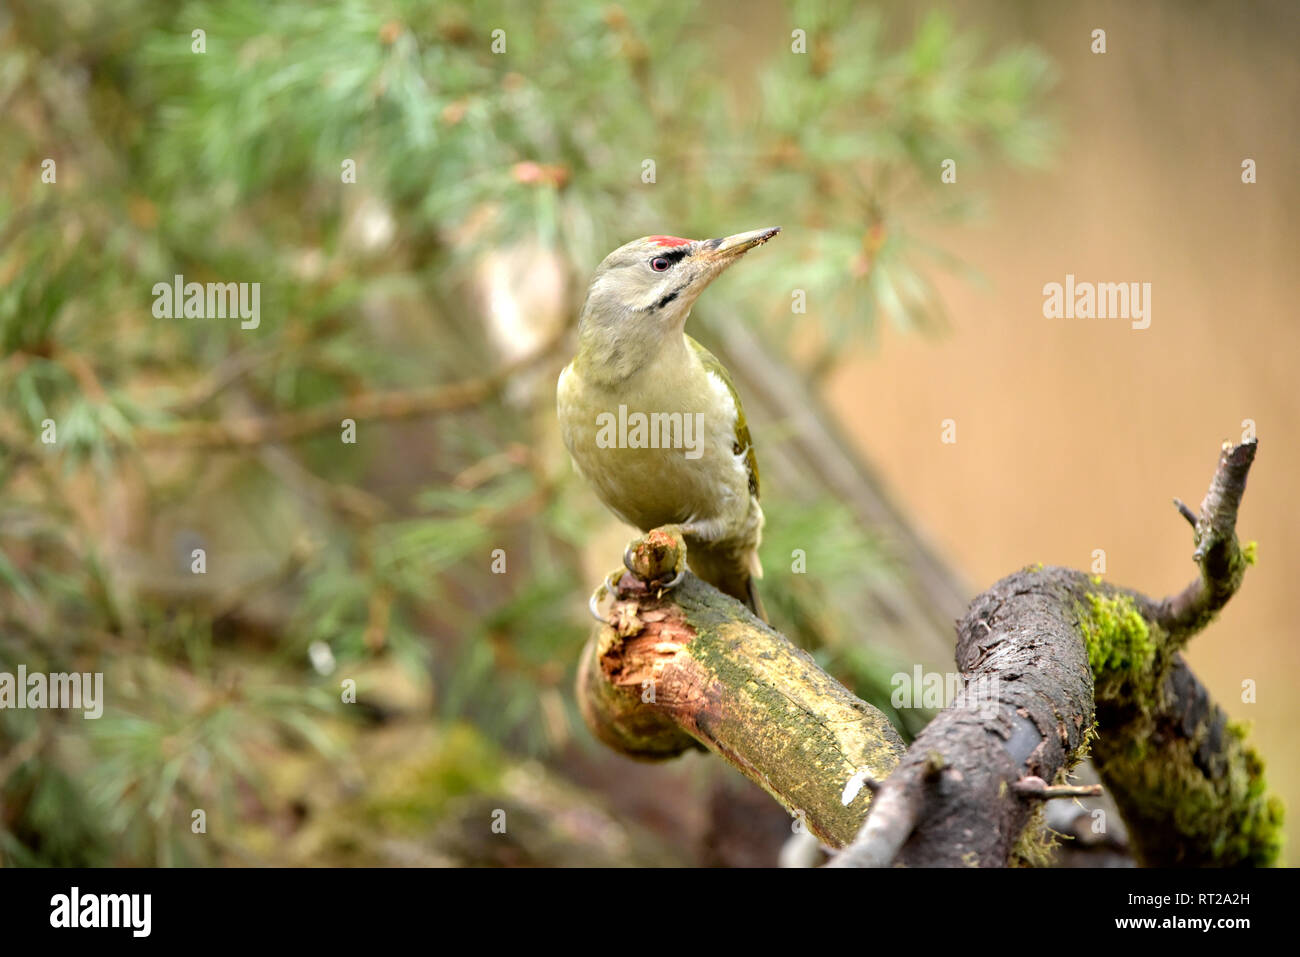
657, 453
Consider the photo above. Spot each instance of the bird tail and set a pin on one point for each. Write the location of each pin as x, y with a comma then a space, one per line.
732, 571
753, 600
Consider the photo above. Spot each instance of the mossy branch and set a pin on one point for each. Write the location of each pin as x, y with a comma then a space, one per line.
1189, 786
1186, 783
1221, 559
1052, 658
964, 793
693, 667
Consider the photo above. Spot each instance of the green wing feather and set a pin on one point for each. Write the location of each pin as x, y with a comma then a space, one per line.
711, 364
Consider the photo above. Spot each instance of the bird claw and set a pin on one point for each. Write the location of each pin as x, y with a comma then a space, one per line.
629, 558
610, 586
669, 586
603, 590
593, 603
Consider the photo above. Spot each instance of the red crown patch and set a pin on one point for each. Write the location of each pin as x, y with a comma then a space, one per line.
669, 241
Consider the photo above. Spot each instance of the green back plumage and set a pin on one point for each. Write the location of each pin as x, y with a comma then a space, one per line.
711, 364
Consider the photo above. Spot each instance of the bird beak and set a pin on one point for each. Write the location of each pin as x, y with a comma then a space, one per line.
728, 250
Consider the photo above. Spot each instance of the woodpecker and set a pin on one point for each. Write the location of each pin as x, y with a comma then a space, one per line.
651, 418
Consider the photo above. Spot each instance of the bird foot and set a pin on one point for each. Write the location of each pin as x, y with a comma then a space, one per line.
609, 586
658, 558
612, 585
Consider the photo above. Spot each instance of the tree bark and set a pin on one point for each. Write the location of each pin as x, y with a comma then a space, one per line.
693, 667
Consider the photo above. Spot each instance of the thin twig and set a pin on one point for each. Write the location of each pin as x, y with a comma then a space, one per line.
1036, 788
1218, 553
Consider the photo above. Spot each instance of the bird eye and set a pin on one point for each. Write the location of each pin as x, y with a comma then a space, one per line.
659, 264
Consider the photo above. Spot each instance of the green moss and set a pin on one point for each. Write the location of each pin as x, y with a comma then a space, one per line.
1036, 846
806, 731
1178, 812
1224, 821
1085, 746
1258, 838
1250, 552
1118, 638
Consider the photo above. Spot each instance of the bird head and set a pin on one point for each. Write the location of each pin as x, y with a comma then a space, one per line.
643, 291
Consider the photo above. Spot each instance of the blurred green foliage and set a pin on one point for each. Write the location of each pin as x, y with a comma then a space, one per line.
226, 165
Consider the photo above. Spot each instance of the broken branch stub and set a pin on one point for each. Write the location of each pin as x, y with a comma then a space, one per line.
694, 668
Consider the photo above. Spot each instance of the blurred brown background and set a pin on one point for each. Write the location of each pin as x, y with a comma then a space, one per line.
1074, 434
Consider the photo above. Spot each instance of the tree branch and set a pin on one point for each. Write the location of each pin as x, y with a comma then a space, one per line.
1188, 787
955, 799
694, 667
285, 426
1050, 657
1218, 554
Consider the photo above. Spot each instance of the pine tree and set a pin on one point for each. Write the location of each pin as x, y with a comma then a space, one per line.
371, 475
